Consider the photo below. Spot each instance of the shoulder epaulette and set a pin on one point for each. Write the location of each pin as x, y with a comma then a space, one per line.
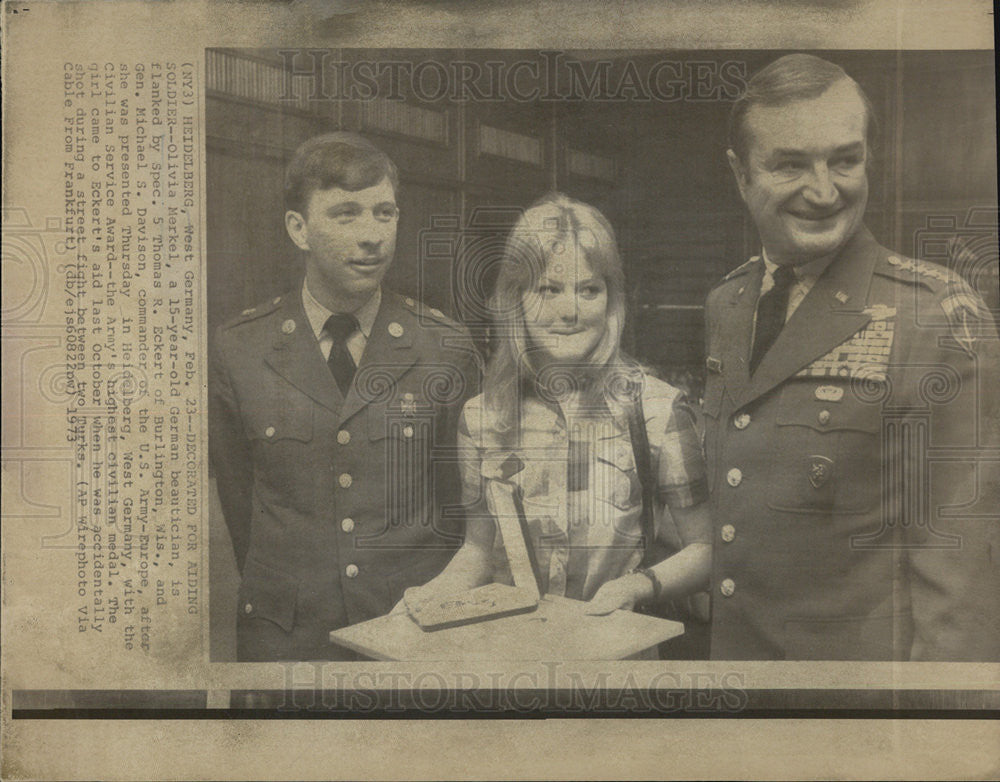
930, 275
252, 313
741, 269
964, 311
431, 313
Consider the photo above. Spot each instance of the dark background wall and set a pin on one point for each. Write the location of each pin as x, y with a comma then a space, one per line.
655, 167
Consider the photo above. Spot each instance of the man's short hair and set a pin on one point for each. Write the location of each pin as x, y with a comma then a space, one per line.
342, 159
790, 78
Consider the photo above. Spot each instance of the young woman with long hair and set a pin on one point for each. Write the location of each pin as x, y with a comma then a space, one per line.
554, 419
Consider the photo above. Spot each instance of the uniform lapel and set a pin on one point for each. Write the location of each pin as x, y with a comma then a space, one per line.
295, 355
735, 348
388, 355
829, 315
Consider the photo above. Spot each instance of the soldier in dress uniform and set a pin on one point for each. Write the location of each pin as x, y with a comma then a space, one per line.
850, 406
331, 412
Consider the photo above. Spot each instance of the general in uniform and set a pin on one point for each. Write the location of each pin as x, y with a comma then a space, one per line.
339, 491
852, 447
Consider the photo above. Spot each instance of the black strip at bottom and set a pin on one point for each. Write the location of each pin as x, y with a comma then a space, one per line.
627, 703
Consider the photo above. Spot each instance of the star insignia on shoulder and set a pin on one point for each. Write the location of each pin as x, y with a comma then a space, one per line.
923, 269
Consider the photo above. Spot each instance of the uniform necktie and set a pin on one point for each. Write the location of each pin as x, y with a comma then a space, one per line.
771, 311
340, 361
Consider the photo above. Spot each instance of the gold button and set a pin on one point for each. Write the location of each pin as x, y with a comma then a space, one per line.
395, 329
248, 608
269, 432
734, 477
727, 587
343, 437
345, 480
288, 326
824, 417
351, 571
410, 302
728, 532
742, 421
407, 431
347, 525
276, 300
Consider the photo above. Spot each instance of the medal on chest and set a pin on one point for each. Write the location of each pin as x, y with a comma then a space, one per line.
866, 354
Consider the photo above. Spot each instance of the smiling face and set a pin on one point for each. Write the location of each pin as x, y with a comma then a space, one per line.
565, 312
349, 237
804, 178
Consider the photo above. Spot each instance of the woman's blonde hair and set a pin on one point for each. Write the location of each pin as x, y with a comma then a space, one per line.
549, 226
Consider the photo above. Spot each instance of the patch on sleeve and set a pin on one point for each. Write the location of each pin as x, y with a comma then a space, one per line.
968, 318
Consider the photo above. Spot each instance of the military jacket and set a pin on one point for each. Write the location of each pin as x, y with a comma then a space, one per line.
335, 504
853, 475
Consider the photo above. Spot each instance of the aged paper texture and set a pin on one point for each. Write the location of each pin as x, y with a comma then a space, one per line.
148, 252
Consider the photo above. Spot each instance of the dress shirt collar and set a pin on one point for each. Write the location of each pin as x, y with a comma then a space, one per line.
805, 273
318, 314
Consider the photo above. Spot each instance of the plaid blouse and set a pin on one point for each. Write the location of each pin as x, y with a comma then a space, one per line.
581, 492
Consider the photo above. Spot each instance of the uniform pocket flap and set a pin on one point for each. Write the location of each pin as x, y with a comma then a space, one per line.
281, 421
267, 593
828, 407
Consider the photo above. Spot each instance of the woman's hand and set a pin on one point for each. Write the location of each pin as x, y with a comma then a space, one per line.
417, 594
622, 593
469, 568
